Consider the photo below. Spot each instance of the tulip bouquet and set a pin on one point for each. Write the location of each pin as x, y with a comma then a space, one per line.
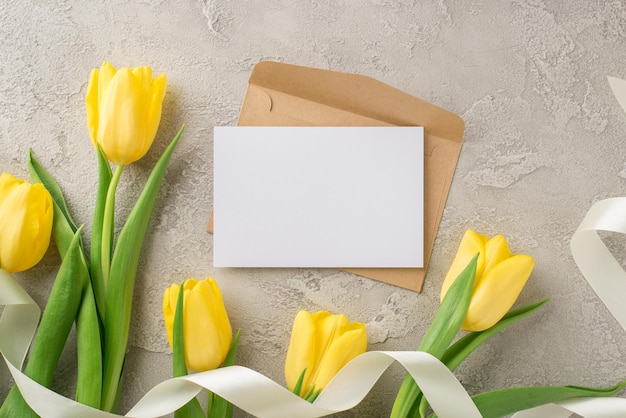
482, 284
123, 112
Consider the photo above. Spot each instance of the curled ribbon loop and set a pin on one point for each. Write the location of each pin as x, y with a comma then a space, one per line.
264, 398
603, 272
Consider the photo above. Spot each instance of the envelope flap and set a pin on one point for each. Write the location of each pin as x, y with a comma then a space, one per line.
358, 94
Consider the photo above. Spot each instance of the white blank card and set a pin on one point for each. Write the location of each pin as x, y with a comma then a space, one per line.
318, 197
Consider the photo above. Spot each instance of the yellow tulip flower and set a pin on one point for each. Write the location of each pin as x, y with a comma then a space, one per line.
322, 344
206, 329
500, 277
124, 111
25, 223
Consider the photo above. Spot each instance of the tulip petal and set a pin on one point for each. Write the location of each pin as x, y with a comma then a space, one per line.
105, 76
328, 329
301, 351
155, 106
471, 244
144, 74
39, 222
91, 105
147, 126
348, 345
189, 284
169, 311
25, 224
8, 183
170, 300
496, 251
202, 351
498, 291
213, 297
122, 119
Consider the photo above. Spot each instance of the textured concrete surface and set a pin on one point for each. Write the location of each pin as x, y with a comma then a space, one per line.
544, 140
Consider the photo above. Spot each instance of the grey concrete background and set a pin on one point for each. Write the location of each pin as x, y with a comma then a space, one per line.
544, 140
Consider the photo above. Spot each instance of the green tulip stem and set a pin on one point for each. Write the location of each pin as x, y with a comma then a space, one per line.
108, 222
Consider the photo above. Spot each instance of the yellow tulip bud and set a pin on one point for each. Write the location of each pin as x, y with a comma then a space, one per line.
25, 223
206, 329
124, 111
500, 278
322, 344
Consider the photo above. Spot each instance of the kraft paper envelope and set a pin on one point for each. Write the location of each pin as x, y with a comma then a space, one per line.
287, 95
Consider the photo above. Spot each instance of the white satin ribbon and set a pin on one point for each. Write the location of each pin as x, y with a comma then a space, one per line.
608, 279
19, 319
604, 274
585, 407
264, 398
245, 388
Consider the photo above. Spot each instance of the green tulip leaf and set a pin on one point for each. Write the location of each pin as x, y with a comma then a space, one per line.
54, 328
466, 345
442, 331
461, 349
451, 313
89, 350
219, 407
40, 175
62, 231
120, 288
58, 317
63, 227
297, 389
313, 396
503, 402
